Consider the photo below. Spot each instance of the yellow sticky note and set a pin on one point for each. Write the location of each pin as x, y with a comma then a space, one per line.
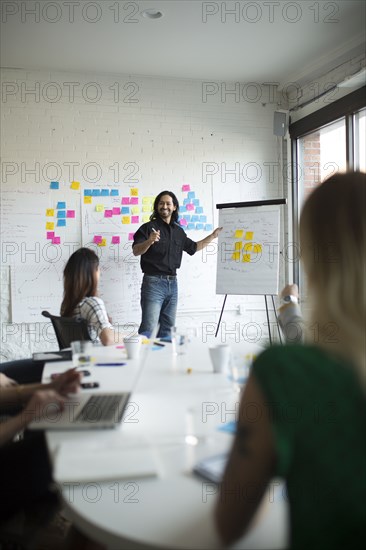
246, 258
103, 242
99, 208
134, 192
236, 256
75, 185
146, 200
87, 200
248, 247
249, 235
257, 248
239, 234
126, 219
135, 209
50, 225
145, 219
50, 212
146, 208
238, 246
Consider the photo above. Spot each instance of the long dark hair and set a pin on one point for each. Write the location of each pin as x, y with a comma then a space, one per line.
175, 214
80, 280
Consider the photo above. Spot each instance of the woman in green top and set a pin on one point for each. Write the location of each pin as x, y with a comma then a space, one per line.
309, 427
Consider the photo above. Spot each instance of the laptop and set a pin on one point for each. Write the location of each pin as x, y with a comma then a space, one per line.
94, 410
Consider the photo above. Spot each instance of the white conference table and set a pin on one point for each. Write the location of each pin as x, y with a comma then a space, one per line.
175, 416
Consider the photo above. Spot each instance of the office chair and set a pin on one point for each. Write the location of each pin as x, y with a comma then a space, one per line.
68, 329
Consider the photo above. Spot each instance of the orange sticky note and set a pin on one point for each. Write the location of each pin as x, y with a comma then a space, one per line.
75, 185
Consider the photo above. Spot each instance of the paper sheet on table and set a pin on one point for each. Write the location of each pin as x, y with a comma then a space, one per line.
87, 463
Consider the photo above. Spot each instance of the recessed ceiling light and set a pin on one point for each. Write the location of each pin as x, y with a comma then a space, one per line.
152, 14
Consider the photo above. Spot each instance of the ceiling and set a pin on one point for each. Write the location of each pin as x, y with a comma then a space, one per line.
275, 41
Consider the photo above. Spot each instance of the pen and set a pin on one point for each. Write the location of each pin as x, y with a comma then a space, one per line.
159, 344
109, 364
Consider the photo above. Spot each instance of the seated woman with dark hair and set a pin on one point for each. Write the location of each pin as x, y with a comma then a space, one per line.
81, 278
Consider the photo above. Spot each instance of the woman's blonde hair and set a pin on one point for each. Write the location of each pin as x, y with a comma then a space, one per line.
333, 248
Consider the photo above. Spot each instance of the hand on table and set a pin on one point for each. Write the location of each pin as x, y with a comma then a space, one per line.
67, 382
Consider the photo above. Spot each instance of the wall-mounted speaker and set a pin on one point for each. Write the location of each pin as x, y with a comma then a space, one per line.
279, 123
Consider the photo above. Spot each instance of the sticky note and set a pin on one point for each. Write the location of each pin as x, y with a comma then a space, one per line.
61, 223
114, 192
199, 225
208, 227
146, 209
125, 200
99, 207
183, 209
126, 220
96, 192
116, 211
104, 193
130, 236
190, 226
134, 200
190, 206
87, 192
257, 248
54, 185
238, 246
249, 235
87, 200
187, 217
199, 209
186, 187
56, 240
70, 213
186, 201
108, 213
191, 195
75, 185
248, 247
195, 218
103, 242
116, 239
196, 202
134, 192
146, 200
50, 212
135, 219
238, 234
246, 258
183, 222
135, 209
61, 213
203, 219
50, 225
236, 256
145, 218
50, 235
97, 239
125, 210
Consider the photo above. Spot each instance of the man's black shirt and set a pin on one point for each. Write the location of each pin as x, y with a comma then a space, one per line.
164, 256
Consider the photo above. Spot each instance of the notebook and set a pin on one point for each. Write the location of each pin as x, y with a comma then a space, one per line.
94, 410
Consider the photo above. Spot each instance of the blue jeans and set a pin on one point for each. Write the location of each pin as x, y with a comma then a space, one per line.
159, 298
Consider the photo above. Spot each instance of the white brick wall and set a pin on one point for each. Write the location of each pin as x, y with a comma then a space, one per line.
169, 131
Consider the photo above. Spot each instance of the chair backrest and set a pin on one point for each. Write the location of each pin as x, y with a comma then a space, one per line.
68, 329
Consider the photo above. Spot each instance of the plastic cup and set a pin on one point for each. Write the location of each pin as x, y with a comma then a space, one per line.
180, 340
81, 351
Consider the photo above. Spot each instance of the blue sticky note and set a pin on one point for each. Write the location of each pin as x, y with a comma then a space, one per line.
61, 223
195, 218
61, 214
190, 226
96, 192
125, 210
183, 209
54, 185
199, 226
196, 202
61, 205
203, 219
114, 192
191, 195
187, 217
186, 201
199, 210
104, 193
229, 427
208, 227
87, 192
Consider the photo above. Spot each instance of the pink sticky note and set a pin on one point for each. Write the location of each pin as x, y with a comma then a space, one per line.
116, 211
50, 234
183, 222
130, 236
116, 240
186, 188
70, 213
56, 240
134, 200
190, 206
97, 239
135, 219
108, 213
125, 200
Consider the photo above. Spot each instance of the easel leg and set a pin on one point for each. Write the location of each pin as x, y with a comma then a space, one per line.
269, 326
278, 325
222, 311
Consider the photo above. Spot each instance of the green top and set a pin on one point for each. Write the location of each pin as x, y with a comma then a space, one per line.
319, 422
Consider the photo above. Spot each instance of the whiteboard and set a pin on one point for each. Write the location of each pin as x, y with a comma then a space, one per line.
248, 250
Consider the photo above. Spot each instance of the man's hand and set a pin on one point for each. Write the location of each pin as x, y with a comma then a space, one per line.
290, 290
67, 382
154, 236
6, 382
215, 233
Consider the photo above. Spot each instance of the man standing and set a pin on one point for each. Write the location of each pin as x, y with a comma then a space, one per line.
161, 243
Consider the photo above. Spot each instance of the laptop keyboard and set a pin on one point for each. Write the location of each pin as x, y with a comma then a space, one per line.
103, 408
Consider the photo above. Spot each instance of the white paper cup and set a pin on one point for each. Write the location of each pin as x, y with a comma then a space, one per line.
220, 357
81, 351
133, 346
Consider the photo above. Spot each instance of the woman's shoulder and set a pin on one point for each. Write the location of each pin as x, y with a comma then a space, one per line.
92, 301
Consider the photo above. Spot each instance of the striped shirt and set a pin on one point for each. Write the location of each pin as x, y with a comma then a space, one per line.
93, 310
